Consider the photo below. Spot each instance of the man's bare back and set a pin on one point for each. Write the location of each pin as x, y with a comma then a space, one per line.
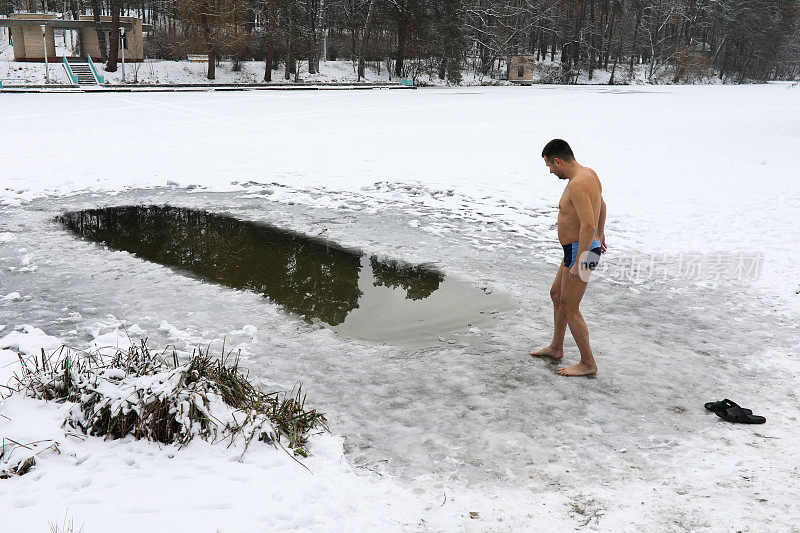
581, 232
569, 225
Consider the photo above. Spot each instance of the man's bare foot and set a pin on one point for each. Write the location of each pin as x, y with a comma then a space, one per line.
549, 352
581, 369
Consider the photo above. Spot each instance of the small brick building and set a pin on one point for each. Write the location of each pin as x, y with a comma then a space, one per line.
520, 68
26, 34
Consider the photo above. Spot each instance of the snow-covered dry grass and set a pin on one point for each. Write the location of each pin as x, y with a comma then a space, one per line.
423, 437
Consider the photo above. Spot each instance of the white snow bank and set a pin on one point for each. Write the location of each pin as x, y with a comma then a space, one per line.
9, 365
131, 485
134, 486
29, 340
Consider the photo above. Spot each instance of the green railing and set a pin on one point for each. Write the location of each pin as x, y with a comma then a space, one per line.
71, 74
97, 76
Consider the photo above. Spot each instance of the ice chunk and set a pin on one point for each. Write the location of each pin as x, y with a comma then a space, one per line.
29, 340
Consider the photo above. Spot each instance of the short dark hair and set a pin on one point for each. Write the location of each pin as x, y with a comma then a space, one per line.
558, 148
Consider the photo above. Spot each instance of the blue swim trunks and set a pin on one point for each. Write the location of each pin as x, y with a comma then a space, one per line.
592, 258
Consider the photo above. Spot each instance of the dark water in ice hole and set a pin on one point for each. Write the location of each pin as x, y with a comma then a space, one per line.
355, 294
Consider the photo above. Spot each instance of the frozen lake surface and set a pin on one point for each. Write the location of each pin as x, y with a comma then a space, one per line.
692, 176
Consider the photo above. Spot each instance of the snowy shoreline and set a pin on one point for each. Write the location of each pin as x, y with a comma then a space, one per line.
162, 72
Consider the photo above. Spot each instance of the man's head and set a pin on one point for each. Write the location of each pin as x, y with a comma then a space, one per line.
557, 156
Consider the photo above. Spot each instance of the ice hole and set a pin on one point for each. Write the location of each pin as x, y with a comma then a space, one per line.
356, 294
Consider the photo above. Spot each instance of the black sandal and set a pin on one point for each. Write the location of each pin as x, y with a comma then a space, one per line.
741, 416
720, 405
732, 412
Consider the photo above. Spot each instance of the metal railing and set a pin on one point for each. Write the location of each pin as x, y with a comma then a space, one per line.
97, 76
71, 74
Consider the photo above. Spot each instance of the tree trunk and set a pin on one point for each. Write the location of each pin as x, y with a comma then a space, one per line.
287, 75
113, 53
592, 42
575, 48
616, 57
101, 36
611, 38
321, 48
724, 67
401, 45
633, 45
76, 16
313, 66
270, 50
212, 65
364, 39
212, 56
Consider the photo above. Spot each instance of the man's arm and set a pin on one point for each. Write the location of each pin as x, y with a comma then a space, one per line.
601, 224
579, 195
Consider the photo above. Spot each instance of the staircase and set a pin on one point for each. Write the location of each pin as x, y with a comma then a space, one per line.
83, 72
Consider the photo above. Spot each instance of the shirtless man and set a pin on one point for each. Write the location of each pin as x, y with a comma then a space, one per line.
581, 223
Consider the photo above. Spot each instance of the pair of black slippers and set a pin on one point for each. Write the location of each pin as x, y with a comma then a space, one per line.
732, 412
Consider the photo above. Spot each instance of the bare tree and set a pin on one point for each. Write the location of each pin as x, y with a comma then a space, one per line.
113, 55
365, 39
101, 36
271, 42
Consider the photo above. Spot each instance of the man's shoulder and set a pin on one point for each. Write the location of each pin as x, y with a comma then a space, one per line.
586, 179
587, 173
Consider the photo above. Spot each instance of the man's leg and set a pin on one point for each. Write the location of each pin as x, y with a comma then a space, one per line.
572, 291
556, 348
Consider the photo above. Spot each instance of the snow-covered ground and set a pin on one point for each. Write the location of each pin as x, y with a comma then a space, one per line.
697, 301
183, 72
156, 71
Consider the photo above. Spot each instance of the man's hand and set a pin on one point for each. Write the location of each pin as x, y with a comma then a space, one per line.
574, 271
580, 270
603, 243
